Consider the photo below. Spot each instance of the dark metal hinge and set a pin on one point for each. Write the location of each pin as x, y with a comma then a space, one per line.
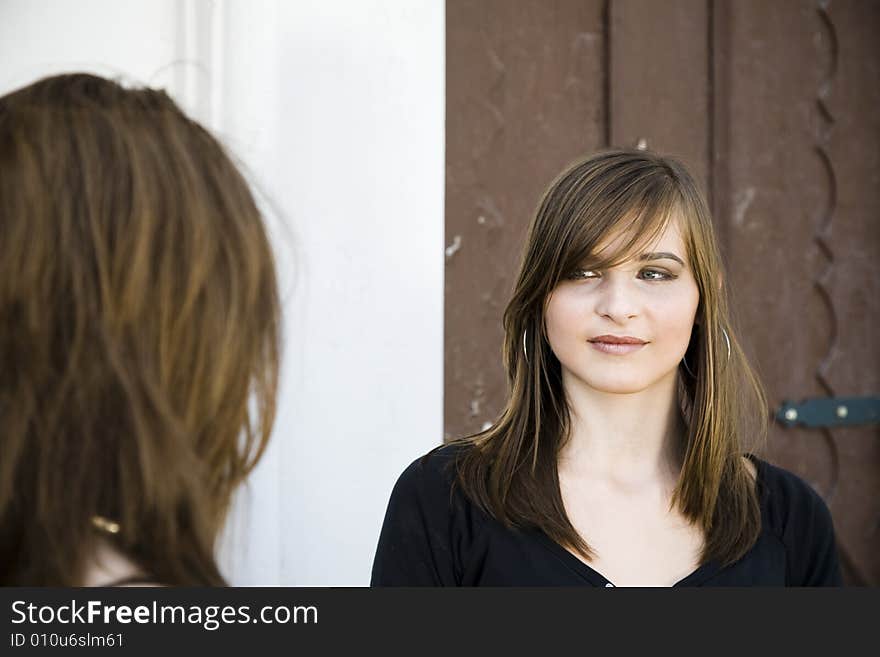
830, 412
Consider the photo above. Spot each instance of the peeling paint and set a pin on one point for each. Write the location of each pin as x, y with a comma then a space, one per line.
491, 214
743, 201
586, 37
475, 407
454, 247
497, 62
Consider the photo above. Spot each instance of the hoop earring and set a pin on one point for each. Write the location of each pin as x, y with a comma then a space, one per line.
688, 369
726, 340
525, 347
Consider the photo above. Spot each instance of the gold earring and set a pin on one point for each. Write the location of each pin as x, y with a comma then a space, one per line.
105, 525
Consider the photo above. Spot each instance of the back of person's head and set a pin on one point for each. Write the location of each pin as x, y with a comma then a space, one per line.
139, 333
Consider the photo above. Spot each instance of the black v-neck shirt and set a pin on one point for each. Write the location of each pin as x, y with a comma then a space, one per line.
434, 536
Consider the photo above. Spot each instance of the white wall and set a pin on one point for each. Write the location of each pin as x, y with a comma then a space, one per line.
336, 108
128, 37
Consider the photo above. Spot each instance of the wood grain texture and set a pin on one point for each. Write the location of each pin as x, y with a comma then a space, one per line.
524, 97
773, 106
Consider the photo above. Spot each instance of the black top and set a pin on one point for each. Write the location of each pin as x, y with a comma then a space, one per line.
433, 536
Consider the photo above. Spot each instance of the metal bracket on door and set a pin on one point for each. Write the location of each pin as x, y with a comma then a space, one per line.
830, 412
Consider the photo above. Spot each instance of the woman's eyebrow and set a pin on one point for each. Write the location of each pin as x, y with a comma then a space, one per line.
660, 256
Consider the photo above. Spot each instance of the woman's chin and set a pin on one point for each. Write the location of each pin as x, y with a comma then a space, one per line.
619, 388
619, 385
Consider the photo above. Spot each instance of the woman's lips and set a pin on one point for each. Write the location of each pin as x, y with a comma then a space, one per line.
617, 349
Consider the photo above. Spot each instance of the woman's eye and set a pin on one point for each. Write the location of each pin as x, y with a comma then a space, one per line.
645, 274
582, 274
654, 275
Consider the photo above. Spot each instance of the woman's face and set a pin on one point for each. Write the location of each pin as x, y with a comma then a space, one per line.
651, 300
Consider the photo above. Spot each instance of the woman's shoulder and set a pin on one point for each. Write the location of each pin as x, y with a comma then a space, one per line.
800, 519
432, 475
429, 525
791, 506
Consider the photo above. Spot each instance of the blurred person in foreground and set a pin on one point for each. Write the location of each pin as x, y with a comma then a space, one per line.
139, 336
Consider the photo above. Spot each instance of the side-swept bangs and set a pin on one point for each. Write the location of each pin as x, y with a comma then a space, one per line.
588, 206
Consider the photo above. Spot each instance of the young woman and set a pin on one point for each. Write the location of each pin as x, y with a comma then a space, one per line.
139, 337
625, 452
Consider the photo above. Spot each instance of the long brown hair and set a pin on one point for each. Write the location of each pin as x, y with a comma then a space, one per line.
139, 332
510, 469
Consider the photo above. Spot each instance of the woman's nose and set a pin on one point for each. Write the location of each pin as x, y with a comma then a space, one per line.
617, 300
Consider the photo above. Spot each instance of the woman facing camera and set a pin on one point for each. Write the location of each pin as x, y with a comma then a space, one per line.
139, 336
625, 454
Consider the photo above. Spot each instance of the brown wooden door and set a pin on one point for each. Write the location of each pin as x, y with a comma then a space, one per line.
772, 105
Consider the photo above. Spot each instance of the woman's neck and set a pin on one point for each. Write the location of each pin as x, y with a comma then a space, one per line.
631, 439
106, 564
